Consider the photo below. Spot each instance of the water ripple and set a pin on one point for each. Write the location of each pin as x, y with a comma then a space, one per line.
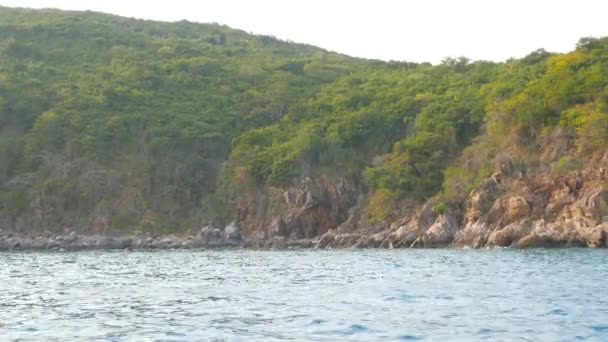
464, 295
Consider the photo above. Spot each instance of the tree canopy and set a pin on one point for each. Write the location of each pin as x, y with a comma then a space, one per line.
148, 123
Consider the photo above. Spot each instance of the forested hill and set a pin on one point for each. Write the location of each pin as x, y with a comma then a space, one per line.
107, 114
109, 124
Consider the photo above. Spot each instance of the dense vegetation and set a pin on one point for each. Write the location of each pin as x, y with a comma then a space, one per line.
139, 125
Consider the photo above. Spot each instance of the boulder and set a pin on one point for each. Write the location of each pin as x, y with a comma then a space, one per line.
209, 235
232, 232
440, 234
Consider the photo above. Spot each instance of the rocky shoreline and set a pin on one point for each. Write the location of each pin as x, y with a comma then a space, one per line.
330, 240
503, 211
207, 238
75, 242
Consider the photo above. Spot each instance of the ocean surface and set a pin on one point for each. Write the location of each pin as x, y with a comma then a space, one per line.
368, 295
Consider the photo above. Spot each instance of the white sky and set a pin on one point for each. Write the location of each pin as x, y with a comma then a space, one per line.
412, 30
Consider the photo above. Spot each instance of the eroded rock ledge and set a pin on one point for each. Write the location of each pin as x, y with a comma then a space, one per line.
565, 212
206, 238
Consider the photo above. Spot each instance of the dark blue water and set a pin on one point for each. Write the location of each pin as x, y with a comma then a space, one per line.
375, 295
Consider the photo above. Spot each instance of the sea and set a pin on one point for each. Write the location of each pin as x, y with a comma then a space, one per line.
305, 295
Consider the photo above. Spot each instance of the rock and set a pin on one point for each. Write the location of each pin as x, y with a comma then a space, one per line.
167, 242
186, 243
534, 240
232, 232
13, 243
332, 239
148, 242
551, 234
278, 242
73, 236
440, 234
595, 236
50, 244
368, 242
350, 225
475, 235
327, 240
303, 243
137, 242
106, 242
121, 243
509, 235
516, 207
595, 204
505, 222
481, 199
559, 199
210, 236
279, 227
407, 230
305, 210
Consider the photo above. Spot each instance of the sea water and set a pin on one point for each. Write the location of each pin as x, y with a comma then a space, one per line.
244, 295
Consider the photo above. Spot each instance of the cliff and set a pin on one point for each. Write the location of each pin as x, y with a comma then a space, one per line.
504, 211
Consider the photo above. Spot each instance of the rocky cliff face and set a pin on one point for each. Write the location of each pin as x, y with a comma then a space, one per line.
305, 211
508, 209
505, 210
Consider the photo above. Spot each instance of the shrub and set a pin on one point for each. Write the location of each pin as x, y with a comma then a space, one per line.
565, 165
440, 208
381, 204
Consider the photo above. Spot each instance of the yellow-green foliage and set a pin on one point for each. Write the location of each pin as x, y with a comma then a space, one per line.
381, 204
440, 208
565, 165
591, 122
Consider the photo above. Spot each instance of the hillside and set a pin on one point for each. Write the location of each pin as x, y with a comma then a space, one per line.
116, 126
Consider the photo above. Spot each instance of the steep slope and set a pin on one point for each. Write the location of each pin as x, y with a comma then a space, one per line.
536, 176
108, 123
115, 126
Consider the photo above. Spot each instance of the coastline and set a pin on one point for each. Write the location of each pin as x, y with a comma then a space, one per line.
77, 242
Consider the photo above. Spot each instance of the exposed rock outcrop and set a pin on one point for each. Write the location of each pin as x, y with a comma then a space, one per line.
511, 208
302, 212
505, 210
565, 212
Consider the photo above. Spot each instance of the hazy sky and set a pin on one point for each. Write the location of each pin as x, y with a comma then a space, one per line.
412, 30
